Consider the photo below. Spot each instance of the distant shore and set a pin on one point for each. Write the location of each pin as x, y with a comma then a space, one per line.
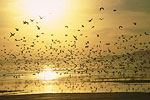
80, 96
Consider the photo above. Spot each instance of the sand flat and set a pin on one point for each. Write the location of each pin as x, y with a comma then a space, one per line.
80, 96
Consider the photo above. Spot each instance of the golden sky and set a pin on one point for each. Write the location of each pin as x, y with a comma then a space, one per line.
73, 13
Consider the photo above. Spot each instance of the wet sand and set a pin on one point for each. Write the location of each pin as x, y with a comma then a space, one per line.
80, 96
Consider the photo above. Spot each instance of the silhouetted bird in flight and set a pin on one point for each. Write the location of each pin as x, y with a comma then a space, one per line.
25, 22
75, 37
134, 23
91, 20
120, 27
37, 36
114, 10
101, 18
41, 17
66, 26
17, 29
97, 35
31, 20
107, 43
102, 8
38, 27
92, 26
12, 34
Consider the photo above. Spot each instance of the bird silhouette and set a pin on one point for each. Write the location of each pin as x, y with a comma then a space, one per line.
92, 26
37, 36
114, 10
66, 26
134, 23
101, 18
32, 20
41, 17
17, 29
25, 22
91, 20
102, 8
120, 27
12, 34
38, 27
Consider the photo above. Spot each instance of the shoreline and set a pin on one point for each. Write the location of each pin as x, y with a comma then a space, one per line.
80, 96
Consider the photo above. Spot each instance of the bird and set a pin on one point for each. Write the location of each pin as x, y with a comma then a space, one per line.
97, 35
91, 20
37, 36
102, 8
38, 27
17, 29
101, 18
52, 34
12, 34
66, 34
66, 26
114, 10
75, 37
82, 25
134, 23
107, 43
25, 22
146, 33
92, 26
120, 27
41, 17
31, 20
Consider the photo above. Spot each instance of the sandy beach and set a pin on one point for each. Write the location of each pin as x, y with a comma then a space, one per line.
80, 96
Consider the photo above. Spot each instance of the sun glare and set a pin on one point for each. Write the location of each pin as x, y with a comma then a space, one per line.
47, 74
46, 8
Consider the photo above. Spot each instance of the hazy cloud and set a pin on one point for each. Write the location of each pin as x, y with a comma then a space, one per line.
136, 5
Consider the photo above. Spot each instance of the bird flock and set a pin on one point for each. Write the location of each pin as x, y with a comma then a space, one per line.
86, 66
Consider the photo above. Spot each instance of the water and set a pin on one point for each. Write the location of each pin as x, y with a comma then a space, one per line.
50, 79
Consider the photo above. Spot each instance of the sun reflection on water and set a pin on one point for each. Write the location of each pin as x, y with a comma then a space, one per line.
47, 74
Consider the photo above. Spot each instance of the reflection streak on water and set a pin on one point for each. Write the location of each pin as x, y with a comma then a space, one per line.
59, 80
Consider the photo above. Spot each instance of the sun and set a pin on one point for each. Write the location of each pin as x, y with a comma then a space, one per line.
46, 8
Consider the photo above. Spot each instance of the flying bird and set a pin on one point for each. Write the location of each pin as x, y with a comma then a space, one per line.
102, 8
37, 36
101, 18
91, 20
92, 26
17, 29
107, 43
114, 10
146, 33
120, 27
75, 37
97, 35
38, 27
31, 20
25, 22
41, 17
66, 34
134, 23
66, 26
12, 34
